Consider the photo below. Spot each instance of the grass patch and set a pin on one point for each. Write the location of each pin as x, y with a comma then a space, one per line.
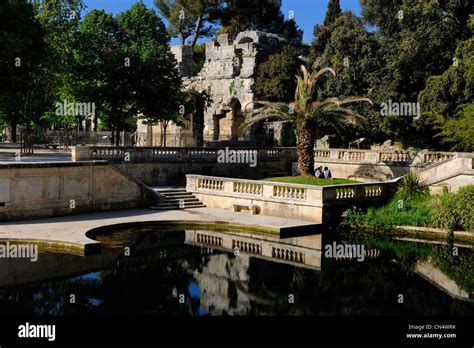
306, 180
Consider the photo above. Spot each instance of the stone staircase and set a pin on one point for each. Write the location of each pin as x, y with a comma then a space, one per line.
176, 198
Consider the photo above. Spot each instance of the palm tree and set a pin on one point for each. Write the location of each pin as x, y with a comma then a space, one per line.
308, 115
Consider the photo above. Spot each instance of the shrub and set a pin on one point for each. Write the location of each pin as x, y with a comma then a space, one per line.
411, 185
455, 211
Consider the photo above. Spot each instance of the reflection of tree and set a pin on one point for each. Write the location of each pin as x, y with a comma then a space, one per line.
160, 268
457, 267
148, 281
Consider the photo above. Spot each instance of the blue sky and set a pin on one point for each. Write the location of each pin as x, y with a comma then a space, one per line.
307, 13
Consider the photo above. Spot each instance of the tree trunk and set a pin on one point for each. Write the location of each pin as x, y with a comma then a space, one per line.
182, 38
13, 129
165, 126
117, 136
196, 31
305, 151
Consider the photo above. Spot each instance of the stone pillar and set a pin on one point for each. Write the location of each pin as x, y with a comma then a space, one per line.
191, 183
80, 153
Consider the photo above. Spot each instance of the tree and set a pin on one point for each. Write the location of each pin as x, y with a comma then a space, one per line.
275, 80
60, 21
264, 15
22, 52
308, 114
187, 18
417, 40
458, 130
352, 52
444, 93
196, 105
321, 33
334, 10
199, 58
447, 100
128, 67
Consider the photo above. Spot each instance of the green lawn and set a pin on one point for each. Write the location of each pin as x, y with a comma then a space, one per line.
310, 180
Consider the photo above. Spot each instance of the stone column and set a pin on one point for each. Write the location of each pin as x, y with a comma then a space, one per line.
80, 153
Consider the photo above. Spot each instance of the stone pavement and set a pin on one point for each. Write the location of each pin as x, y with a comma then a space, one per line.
9, 151
70, 231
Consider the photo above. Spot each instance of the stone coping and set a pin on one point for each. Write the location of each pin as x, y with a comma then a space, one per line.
10, 165
278, 183
75, 233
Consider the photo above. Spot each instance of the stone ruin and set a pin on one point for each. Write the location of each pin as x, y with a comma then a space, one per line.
228, 75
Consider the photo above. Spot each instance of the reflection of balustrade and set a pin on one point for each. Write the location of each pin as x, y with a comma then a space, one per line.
247, 247
209, 239
287, 254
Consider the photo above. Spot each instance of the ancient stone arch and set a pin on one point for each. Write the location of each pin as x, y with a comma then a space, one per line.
228, 75
227, 122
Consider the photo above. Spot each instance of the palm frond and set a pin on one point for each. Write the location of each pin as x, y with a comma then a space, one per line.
318, 73
354, 117
305, 74
355, 99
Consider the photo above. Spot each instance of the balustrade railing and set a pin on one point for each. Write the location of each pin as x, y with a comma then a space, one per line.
174, 154
351, 155
248, 188
213, 184
394, 156
290, 193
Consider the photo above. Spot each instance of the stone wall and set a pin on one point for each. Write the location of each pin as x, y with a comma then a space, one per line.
228, 75
40, 190
167, 166
382, 165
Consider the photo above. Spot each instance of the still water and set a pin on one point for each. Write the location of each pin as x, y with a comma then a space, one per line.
160, 273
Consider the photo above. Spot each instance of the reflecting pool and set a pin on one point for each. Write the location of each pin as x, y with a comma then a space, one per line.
159, 272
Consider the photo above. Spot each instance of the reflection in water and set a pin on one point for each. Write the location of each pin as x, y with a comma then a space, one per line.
195, 272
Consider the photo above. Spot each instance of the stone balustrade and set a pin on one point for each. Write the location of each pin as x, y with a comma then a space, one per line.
171, 154
281, 199
392, 157
183, 154
358, 193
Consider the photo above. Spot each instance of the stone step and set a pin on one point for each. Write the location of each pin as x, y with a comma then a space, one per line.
176, 207
176, 194
185, 200
173, 198
164, 191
